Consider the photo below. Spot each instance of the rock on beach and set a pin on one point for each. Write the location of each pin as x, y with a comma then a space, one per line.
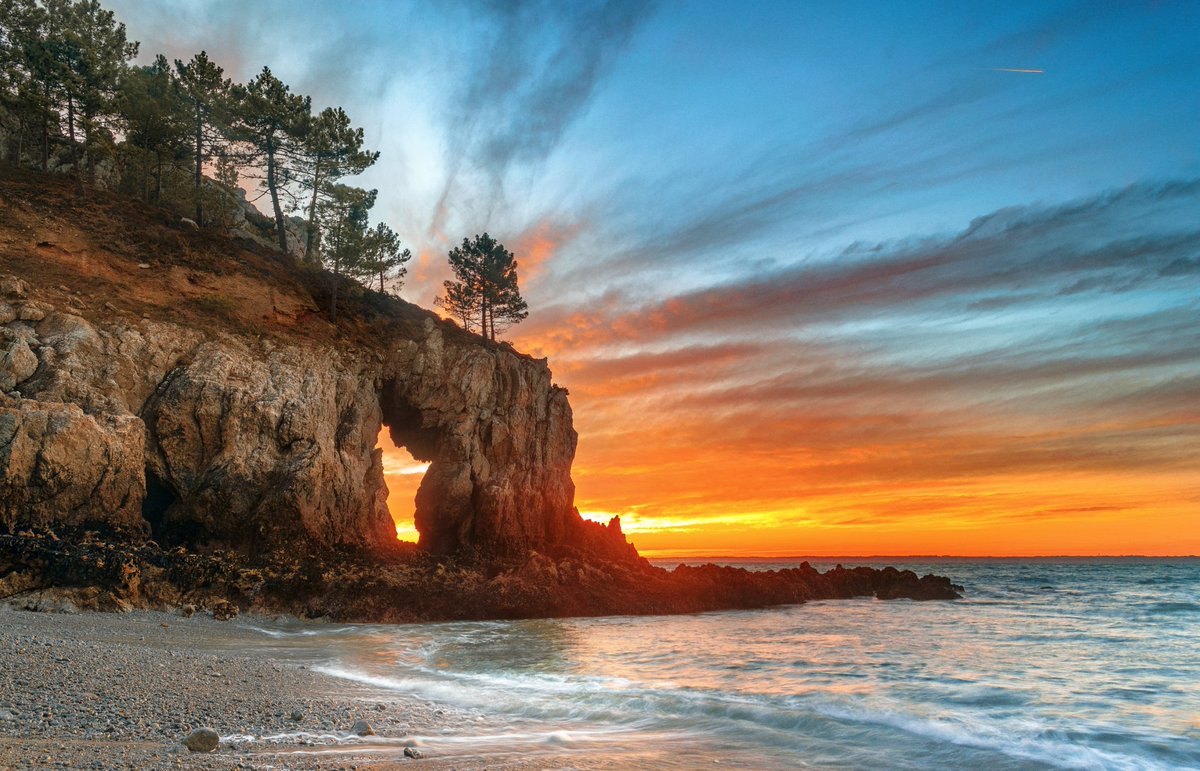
202, 740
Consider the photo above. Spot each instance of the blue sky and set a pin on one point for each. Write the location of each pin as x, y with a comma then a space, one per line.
732, 216
724, 134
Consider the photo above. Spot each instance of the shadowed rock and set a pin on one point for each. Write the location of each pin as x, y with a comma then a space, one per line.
150, 426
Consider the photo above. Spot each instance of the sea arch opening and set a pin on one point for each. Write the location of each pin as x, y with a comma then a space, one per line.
409, 449
402, 473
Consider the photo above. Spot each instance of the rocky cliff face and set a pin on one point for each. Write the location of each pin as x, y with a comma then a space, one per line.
261, 431
153, 426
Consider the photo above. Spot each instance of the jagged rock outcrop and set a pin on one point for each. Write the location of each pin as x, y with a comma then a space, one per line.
73, 569
253, 442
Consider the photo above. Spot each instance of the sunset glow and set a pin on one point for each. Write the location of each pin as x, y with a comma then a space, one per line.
402, 473
816, 283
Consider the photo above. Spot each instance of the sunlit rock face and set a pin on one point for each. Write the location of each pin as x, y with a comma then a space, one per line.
497, 433
215, 437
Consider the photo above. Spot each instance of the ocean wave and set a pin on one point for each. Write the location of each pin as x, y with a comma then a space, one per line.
1017, 677
1026, 739
1173, 607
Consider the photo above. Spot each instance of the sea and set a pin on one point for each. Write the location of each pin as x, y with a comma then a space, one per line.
1044, 663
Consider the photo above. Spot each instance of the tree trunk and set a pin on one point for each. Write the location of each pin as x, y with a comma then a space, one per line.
312, 213
74, 147
273, 187
145, 175
46, 132
199, 162
90, 157
333, 303
158, 180
337, 272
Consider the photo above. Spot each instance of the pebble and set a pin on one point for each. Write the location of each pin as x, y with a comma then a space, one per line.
412, 752
362, 728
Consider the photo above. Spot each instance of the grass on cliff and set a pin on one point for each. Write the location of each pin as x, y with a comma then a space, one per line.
106, 255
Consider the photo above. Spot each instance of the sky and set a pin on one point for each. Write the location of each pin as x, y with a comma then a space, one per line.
861, 278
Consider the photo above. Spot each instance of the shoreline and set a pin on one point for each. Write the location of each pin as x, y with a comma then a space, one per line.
122, 690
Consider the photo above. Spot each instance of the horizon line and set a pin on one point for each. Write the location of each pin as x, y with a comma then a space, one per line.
875, 557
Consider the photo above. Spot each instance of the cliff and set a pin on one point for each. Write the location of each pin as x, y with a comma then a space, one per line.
184, 394
188, 388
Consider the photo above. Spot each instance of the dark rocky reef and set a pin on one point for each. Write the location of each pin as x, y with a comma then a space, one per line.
84, 570
183, 394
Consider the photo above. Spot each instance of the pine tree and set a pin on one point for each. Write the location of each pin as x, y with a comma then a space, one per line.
201, 83
485, 294
332, 150
156, 119
25, 103
33, 70
382, 258
91, 51
343, 215
270, 123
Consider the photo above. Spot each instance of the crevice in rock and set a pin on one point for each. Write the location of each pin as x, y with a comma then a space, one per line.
159, 498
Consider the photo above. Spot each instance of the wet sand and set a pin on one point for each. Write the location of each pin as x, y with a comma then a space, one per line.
99, 690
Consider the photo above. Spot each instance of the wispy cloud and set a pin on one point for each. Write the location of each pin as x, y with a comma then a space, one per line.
539, 66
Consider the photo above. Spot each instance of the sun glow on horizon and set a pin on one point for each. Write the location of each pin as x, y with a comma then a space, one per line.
402, 473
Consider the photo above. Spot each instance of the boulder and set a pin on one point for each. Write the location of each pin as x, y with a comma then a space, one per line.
62, 466
202, 740
17, 364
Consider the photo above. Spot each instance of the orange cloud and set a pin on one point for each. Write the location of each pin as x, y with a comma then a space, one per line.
538, 245
996, 392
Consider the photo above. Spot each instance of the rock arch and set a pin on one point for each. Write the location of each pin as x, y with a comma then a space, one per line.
498, 436
261, 443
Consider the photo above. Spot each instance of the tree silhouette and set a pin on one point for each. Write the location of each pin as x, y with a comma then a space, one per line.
344, 215
332, 150
156, 119
485, 294
382, 258
201, 84
270, 122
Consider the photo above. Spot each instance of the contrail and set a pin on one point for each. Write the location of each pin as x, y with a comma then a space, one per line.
1017, 69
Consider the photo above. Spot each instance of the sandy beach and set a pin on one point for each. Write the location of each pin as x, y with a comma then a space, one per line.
99, 690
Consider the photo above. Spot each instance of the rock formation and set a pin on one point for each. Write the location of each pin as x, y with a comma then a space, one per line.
253, 423
154, 426
181, 394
